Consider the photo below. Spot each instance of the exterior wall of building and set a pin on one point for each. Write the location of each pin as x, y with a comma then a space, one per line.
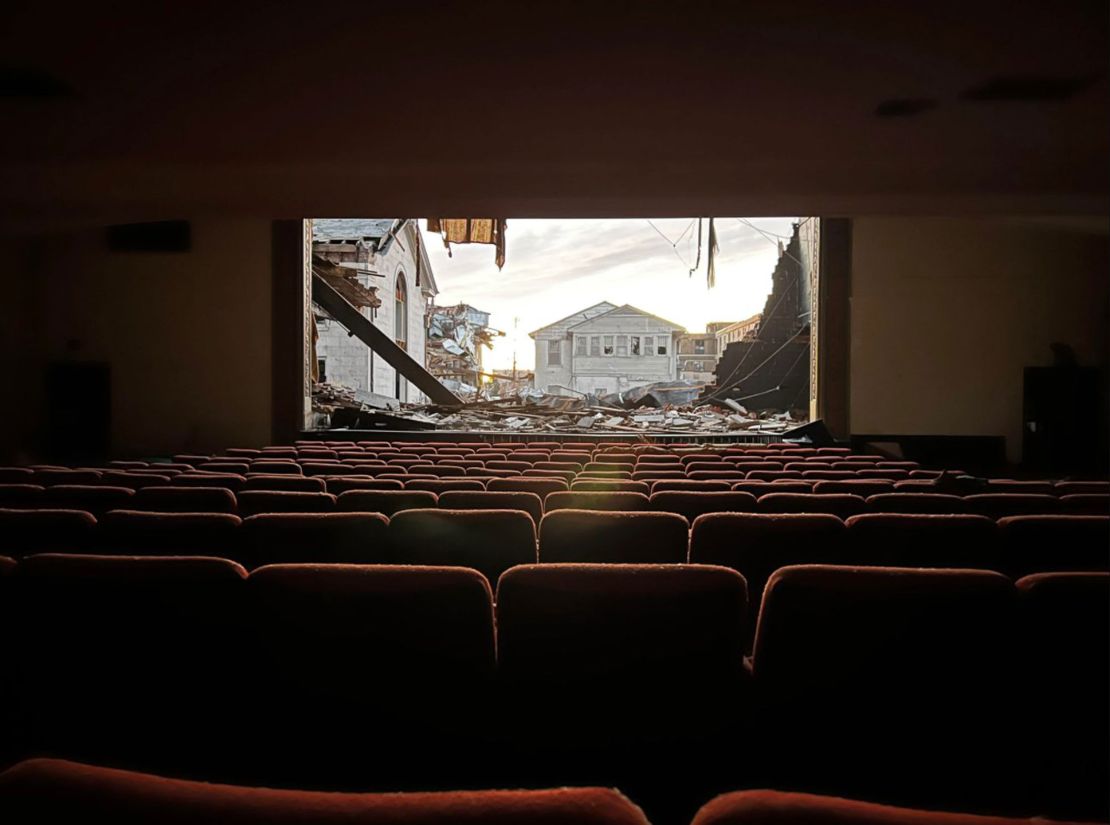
593, 370
697, 356
552, 377
348, 360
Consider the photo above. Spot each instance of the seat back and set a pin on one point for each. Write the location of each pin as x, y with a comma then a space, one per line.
253, 502
897, 540
1040, 544
133, 532
692, 505
613, 537
314, 538
581, 500
489, 541
176, 499
24, 532
386, 502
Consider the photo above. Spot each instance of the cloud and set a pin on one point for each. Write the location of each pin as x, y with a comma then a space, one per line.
557, 267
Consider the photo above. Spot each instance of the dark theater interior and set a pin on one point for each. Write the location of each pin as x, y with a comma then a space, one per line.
211, 611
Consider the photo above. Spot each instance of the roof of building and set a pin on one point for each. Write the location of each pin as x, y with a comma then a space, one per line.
351, 229
752, 320
624, 309
602, 307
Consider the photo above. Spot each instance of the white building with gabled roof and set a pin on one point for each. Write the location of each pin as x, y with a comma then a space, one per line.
605, 349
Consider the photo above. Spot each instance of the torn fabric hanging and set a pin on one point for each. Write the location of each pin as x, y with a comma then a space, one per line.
472, 230
711, 266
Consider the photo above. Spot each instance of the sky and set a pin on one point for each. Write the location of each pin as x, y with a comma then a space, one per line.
554, 268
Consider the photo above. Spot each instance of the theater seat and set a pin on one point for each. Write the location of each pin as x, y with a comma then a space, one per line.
1001, 505
489, 541
861, 486
338, 485
758, 544
781, 808
1065, 622
920, 503
613, 537
841, 505
915, 668
132, 532
692, 505
129, 659
615, 486
21, 496
24, 532
314, 538
50, 790
90, 498
228, 481
438, 486
1085, 504
390, 666
183, 500
580, 500
253, 502
688, 486
386, 502
539, 486
294, 483
1039, 544
530, 503
917, 540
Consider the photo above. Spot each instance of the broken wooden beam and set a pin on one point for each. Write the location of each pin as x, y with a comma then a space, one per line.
360, 326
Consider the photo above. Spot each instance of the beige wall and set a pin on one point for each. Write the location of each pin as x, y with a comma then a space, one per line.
945, 313
187, 335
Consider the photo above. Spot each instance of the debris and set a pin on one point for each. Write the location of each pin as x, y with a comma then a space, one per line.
735, 405
453, 348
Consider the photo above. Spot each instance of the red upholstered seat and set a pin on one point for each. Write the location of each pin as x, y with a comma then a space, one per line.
95, 499
184, 500
490, 541
226, 481
253, 502
530, 503
917, 540
133, 532
641, 473
861, 486
692, 505
917, 668
48, 790
924, 503
399, 659
539, 486
48, 478
760, 488
1041, 544
1000, 505
386, 502
24, 532
153, 645
841, 505
614, 486
1007, 485
17, 475
716, 475
281, 538
21, 496
287, 467
1067, 720
135, 480
444, 485
294, 483
1085, 504
613, 537
780, 808
1067, 488
689, 486
341, 484
758, 544
581, 500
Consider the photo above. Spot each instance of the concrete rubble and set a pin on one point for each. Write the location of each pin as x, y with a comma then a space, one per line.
532, 411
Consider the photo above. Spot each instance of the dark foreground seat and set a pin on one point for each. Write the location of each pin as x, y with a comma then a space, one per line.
1066, 723
128, 659
530, 503
130, 532
24, 532
315, 538
779, 808
915, 668
1042, 544
378, 674
49, 790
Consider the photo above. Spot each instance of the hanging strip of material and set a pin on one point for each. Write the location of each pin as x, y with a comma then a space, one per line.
472, 230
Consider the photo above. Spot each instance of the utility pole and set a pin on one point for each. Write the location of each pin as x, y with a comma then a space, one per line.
516, 323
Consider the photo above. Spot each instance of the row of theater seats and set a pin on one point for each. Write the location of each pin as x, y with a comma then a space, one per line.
536, 495
46, 790
953, 686
492, 540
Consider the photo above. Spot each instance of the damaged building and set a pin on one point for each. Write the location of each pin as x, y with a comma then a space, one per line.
767, 365
385, 258
456, 336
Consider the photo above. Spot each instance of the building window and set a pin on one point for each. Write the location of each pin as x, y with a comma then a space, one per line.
322, 370
648, 340
662, 345
607, 345
595, 345
699, 346
580, 344
554, 353
401, 311
634, 345
622, 345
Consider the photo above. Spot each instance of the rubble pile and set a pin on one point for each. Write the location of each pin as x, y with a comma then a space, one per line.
532, 411
456, 335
